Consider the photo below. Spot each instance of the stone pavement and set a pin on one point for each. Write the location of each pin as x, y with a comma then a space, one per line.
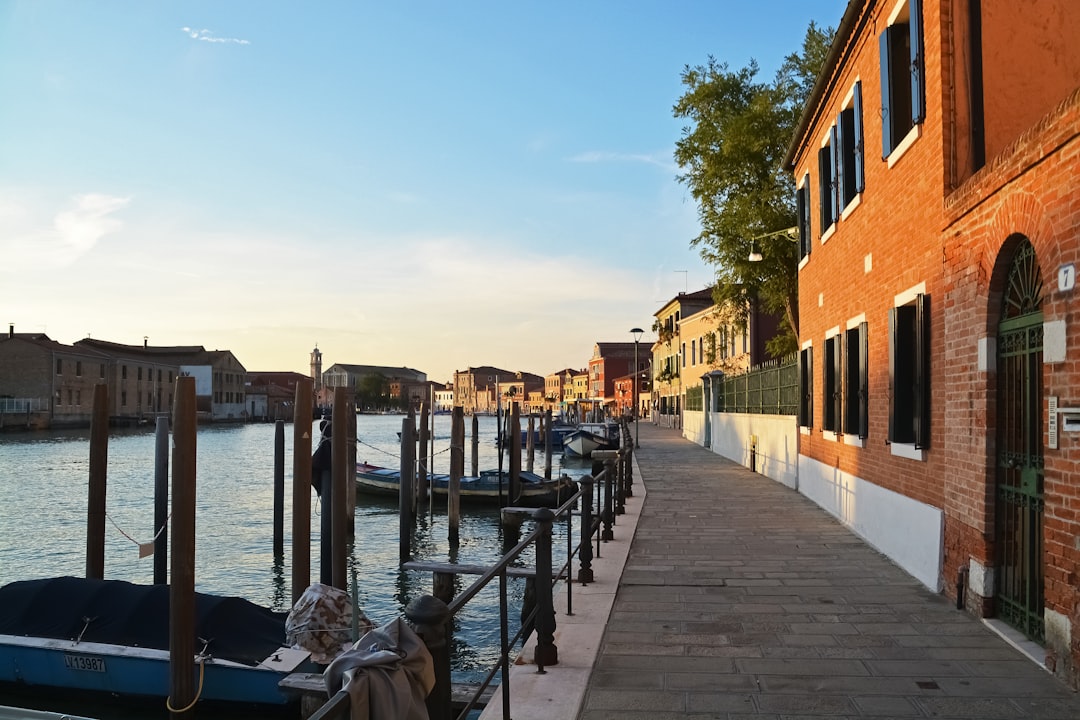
740, 598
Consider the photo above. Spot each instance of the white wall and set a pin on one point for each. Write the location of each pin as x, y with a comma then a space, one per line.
907, 531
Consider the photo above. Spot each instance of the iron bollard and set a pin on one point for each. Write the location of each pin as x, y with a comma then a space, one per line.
546, 653
585, 573
630, 473
620, 482
430, 619
609, 514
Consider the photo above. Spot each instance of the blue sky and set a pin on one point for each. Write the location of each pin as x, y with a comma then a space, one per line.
428, 184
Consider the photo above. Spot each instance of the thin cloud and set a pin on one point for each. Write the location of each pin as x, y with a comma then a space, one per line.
208, 36
81, 227
596, 156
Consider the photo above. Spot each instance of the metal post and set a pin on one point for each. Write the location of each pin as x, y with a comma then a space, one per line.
161, 501
620, 482
95, 501
585, 573
546, 653
608, 459
279, 488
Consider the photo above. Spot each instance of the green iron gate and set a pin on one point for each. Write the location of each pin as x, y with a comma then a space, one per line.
1019, 493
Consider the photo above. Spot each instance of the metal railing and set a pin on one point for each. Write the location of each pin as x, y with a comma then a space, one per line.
601, 499
770, 388
23, 405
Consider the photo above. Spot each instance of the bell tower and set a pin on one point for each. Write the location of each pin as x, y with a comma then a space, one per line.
316, 368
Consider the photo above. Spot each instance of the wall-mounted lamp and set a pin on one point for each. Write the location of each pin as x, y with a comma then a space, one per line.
791, 233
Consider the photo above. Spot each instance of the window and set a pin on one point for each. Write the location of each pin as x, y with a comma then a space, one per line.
78, 398
78, 368
831, 385
827, 181
802, 208
693, 352
123, 398
123, 372
849, 150
909, 372
903, 97
59, 366
140, 375
806, 387
856, 382
102, 371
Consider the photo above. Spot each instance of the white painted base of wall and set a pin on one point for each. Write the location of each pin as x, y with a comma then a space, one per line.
909, 532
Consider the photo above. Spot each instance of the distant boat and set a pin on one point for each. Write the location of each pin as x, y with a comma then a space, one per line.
536, 491
112, 636
591, 436
558, 436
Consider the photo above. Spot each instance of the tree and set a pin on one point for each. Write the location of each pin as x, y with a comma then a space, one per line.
731, 157
374, 390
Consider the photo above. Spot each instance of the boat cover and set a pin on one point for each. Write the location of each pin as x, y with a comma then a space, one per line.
123, 613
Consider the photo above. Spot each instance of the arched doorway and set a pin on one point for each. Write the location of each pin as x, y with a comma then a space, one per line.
1019, 473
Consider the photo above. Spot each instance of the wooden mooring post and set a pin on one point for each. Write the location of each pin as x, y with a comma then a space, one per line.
339, 474
301, 504
161, 500
279, 489
514, 442
99, 463
182, 576
475, 446
530, 444
548, 444
422, 468
457, 469
406, 495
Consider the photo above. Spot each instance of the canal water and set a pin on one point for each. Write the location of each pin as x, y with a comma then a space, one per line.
43, 498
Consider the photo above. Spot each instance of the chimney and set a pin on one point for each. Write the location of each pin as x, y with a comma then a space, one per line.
11, 330
145, 341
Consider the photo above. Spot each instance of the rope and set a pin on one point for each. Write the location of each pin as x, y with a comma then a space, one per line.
198, 693
154, 539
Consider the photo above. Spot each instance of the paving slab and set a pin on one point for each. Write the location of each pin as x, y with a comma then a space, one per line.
741, 598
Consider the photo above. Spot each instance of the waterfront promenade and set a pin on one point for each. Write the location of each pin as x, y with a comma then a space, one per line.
740, 598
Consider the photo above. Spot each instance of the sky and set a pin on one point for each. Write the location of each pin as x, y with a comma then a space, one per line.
434, 185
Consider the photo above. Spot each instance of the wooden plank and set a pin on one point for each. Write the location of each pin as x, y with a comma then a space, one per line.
312, 684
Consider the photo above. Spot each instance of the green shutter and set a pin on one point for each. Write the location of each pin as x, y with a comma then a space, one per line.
864, 381
918, 76
884, 43
860, 182
922, 372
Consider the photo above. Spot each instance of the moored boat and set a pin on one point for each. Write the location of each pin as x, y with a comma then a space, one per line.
591, 436
112, 636
536, 491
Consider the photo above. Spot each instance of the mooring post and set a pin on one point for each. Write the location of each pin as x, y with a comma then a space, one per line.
530, 443
514, 440
475, 446
161, 500
99, 463
301, 504
548, 444
279, 489
629, 492
546, 653
339, 475
430, 619
457, 467
442, 586
405, 489
422, 460
350, 472
585, 573
182, 576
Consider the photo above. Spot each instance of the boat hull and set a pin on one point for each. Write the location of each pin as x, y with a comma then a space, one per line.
536, 491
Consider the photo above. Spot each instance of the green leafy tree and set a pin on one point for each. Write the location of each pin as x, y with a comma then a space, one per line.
373, 390
731, 158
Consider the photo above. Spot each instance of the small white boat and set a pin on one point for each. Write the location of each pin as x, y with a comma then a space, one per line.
591, 436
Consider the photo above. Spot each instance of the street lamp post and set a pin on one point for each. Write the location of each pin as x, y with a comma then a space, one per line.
636, 332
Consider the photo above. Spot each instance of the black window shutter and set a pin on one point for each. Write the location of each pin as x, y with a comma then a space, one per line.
918, 77
806, 213
824, 179
922, 372
806, 387
834, 157
894, 338
860, 181
804, 235
864, 382
838, 140
802, 388
837, 398
885, 44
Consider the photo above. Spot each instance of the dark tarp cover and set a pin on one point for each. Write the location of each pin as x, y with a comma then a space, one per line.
123, 613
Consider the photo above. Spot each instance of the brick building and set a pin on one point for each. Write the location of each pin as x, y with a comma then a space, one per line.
936, 301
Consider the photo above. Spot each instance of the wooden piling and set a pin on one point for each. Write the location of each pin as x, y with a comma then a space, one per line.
475, 446
530, 444
442, 586
515, 452
549, 444
457, 467
161, 501
95, 506
301, 504
339, 473
350, 473
279, 488
422, 461
182, 580
406, 495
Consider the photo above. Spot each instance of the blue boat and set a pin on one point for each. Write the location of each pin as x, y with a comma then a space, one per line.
112, 636
536, 491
